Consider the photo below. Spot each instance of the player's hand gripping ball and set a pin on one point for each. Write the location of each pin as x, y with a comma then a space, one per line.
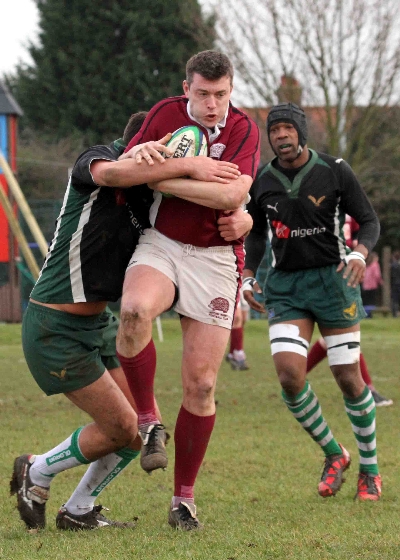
188, 141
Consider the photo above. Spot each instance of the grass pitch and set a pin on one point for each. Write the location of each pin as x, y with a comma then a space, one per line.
257, 489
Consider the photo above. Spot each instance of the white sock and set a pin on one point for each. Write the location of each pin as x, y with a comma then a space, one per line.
97, 477
239, 355
64, 456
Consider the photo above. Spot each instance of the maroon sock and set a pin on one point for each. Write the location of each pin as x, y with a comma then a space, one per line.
315, 355
236, 339
140, 372
192, 434
364, 371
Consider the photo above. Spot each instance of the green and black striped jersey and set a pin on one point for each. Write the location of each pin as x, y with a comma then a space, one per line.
302, 211
96, 233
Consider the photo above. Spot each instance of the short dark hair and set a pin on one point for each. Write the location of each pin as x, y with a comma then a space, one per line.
211, 65
133, 126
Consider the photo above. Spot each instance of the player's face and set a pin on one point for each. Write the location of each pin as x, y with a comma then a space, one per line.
285, 144
209, 100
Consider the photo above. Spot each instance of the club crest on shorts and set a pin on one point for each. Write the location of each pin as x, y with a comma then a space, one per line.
350, 312
62, 376
219, 307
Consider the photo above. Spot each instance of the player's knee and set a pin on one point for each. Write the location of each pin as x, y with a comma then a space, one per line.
132, 318
200, 388
343, 349
291, 380
349, 379
123, 431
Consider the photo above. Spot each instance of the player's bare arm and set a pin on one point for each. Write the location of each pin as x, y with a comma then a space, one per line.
236, 224
204, 168
249, 287
354, 266
128, 172
228, 196
149, 151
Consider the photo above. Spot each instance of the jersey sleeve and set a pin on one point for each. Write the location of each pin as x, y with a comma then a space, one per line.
244, 147
355, 202
81, 176
256, 241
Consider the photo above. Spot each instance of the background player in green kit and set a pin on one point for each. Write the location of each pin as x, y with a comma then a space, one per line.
68, 332
302, 198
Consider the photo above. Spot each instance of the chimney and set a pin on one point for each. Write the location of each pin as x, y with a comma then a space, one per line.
289, 90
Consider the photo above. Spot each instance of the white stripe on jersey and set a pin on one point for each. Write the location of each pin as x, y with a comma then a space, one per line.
58, 221
154, 207
75, 269
270, 237
339, 233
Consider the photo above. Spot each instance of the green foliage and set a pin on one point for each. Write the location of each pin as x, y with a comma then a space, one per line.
98, 62
257, 489
44, 165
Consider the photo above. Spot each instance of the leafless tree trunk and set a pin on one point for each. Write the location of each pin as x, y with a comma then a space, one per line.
344, 53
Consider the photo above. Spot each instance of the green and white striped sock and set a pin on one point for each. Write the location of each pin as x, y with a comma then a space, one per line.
362, 414
97, 477
65, 456
307, 411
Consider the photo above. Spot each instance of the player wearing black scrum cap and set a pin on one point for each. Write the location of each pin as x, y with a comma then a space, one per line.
299, 200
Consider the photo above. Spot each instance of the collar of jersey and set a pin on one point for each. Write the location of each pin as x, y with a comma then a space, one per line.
212, 134
292, 189
119, 145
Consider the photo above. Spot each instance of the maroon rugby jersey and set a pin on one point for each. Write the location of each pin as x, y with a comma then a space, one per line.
238, 142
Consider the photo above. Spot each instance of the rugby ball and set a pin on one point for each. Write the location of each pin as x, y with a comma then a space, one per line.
188, 141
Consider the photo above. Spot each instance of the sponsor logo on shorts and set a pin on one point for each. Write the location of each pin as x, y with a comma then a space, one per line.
350, 312
62, 375
220, 308
216, 150
59, 457
282, 231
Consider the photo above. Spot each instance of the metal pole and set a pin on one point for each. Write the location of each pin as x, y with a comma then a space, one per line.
23, 206
17, 231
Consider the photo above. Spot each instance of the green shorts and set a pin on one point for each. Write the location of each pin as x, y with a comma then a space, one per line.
320, 294
65, 352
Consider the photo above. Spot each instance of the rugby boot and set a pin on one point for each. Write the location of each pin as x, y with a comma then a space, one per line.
153, 455
380, 400
369, 487
332, 474
31, 499
88, 521
184, 517
237, 365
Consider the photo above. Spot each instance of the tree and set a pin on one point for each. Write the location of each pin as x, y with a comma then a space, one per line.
98, 62
346, 56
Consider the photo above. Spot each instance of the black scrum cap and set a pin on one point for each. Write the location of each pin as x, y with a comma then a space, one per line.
292, 113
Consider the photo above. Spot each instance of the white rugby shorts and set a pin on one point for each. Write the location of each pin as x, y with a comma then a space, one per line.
208, 279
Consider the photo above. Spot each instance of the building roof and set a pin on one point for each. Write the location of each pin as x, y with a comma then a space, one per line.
8, 105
